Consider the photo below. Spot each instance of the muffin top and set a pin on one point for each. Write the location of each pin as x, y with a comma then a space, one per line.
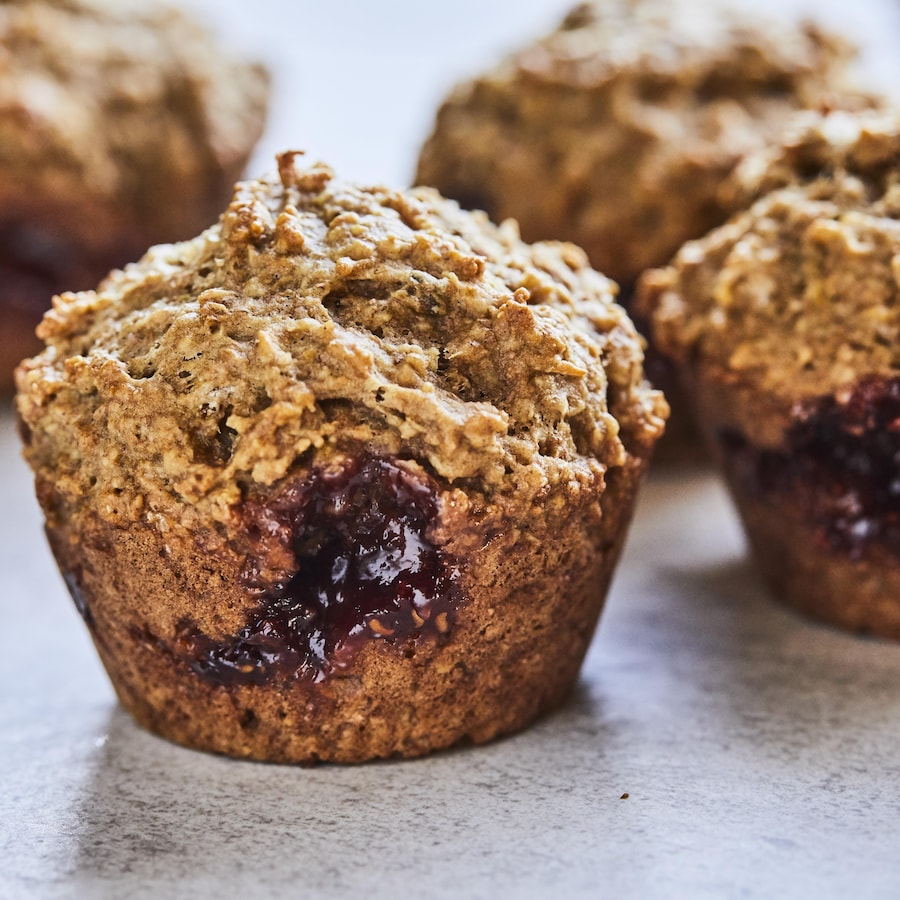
799, 294
616, 130
108, 109
317, 320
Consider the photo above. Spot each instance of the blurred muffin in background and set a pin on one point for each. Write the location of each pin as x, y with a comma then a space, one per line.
785, 323
616, 131
121, 126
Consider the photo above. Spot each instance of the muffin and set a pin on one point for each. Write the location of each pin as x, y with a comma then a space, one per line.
344, 477
121, 126
785, 324
617, 130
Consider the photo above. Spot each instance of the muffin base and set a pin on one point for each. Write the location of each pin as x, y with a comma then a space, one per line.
514, 651
853, 585
858, 595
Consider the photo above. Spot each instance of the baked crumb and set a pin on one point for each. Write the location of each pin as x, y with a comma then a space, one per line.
801, 292
345, 477
785, 324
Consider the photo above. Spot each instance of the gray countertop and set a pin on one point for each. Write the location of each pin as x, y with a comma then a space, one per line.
716, 746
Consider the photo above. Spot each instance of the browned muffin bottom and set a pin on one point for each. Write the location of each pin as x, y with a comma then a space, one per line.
121, 126
617, 130
834, 487
786, 324
470, 657
345, 477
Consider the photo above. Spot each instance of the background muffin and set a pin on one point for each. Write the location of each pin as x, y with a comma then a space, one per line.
786, 325
121, 126
617, 130
344, 477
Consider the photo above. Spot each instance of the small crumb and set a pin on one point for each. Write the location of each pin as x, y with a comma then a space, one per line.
624, 796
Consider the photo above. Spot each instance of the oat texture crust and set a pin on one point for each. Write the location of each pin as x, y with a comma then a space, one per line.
616, 131
318, 324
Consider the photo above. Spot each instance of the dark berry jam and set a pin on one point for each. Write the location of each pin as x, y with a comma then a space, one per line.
843, 455
366, 569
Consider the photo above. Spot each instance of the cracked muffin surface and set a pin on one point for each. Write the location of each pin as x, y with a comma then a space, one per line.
786, 323
121, 126
355, 451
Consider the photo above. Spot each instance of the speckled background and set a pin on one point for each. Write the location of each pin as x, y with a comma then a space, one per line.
758, 751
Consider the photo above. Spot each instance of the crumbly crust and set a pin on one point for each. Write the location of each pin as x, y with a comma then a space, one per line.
317, 315
316, 323
798, 296
616, 130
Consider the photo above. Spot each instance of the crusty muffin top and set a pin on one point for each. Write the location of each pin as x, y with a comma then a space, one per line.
105, 105
801, 292
317, 318
616, 130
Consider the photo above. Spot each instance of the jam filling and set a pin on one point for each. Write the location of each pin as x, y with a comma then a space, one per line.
366, 569
843, 454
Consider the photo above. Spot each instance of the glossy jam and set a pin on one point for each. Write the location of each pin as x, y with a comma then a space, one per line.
366, 570
843, 455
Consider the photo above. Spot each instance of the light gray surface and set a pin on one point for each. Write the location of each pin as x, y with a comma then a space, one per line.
758, 751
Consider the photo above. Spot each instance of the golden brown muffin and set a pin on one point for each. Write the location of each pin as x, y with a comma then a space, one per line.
346, 476
786, 325
617, 130
121, 126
